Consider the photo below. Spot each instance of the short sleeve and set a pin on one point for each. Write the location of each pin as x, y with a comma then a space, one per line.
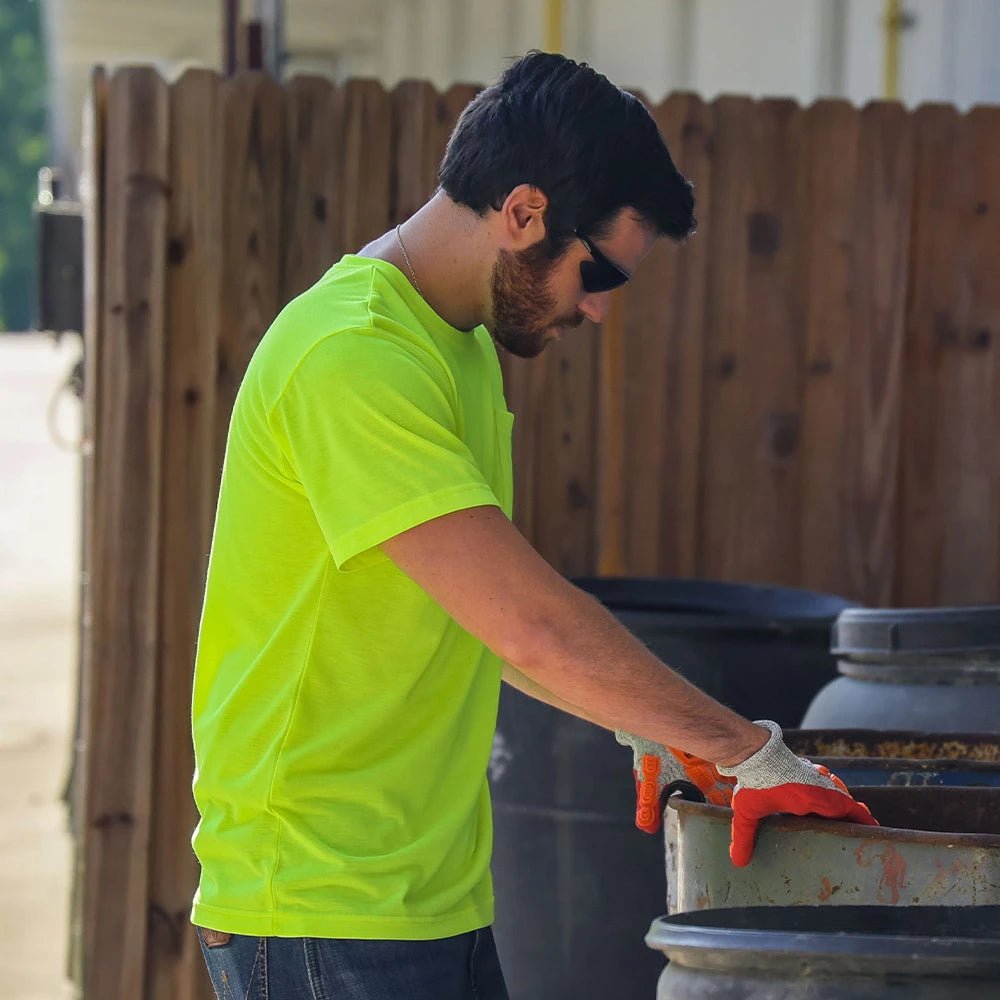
370, 429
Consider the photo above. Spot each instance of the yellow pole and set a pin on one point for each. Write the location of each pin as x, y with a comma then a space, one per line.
553, 25
893, 28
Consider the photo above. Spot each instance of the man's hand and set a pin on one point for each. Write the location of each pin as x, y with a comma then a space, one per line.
657, 767
774, 780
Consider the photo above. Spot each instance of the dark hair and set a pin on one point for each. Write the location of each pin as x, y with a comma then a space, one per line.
563, 127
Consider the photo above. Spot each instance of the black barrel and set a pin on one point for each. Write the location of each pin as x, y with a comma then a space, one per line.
576, 883
830, 953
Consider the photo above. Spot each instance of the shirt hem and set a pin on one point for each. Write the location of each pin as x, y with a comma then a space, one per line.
367, 928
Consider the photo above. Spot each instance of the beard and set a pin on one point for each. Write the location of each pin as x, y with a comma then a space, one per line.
524, 310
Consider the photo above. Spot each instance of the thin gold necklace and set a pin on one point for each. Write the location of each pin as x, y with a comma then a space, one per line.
406, 257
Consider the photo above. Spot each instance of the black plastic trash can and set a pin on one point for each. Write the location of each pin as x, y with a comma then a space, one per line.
576, 883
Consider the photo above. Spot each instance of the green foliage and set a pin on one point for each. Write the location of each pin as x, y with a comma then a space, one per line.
23, 149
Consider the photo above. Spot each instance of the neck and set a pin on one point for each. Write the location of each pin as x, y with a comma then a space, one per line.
451, 256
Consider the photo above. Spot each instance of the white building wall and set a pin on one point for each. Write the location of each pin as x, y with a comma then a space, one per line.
974, 62
764, 48
864, 52
641, 44
804, 49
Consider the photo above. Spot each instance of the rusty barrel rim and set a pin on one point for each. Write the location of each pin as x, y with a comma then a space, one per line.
815, 824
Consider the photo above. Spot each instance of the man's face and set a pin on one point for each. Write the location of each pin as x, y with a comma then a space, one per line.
535, 299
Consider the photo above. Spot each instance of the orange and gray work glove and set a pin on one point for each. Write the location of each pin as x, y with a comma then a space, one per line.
774, 780
661, 770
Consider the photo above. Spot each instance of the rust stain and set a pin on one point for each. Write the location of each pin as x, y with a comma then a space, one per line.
893, 866
946, 878
827, 891
893, 873
704, 901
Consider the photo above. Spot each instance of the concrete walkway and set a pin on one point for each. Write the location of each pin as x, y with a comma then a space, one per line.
39, 568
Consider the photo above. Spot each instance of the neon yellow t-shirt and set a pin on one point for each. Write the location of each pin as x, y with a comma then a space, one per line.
342, 720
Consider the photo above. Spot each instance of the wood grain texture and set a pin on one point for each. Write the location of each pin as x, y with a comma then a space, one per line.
613, 494
836, 256
127, 513
174, 965
416, 148
661, 346
93, 196
524, 386
859, 168
313, 225
754, 349
366, 179
254, 143
871, 466
563, 425
949, 533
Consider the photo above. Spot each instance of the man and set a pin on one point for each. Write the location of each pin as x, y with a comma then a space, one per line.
366, 588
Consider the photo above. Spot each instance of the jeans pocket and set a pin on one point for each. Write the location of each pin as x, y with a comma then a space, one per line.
237, 964
472, 958
314, 971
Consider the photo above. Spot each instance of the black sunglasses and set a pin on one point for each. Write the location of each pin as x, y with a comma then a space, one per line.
599, 274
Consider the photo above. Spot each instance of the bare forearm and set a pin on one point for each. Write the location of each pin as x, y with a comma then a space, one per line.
523, 683
484, 573
588, 660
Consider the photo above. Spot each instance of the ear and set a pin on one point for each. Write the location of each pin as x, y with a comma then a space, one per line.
522, 216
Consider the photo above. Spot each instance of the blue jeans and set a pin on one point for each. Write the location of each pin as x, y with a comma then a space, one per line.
464, 967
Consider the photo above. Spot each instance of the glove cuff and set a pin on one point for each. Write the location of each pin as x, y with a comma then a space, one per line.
640, 745
772, 764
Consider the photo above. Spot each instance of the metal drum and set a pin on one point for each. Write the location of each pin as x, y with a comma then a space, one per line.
841, 953
936, 845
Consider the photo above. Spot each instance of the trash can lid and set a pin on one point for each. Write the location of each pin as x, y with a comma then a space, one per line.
713, 597
922, 631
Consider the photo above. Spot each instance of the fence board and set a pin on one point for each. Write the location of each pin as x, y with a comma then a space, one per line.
313, 240
253, 166
174, 966
564, 528
417, 113
610, 528
754, 327
367, 163
859, 170
831, 140
661, 381
726, 394
867, 475
949, 544
125, 536
523, 382
94, 211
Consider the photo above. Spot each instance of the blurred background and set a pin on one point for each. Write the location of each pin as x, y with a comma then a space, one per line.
914, 51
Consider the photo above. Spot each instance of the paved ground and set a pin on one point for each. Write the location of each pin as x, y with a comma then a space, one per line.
39, 537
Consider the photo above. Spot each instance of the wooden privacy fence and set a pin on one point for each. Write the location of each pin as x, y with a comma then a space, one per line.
806, 393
